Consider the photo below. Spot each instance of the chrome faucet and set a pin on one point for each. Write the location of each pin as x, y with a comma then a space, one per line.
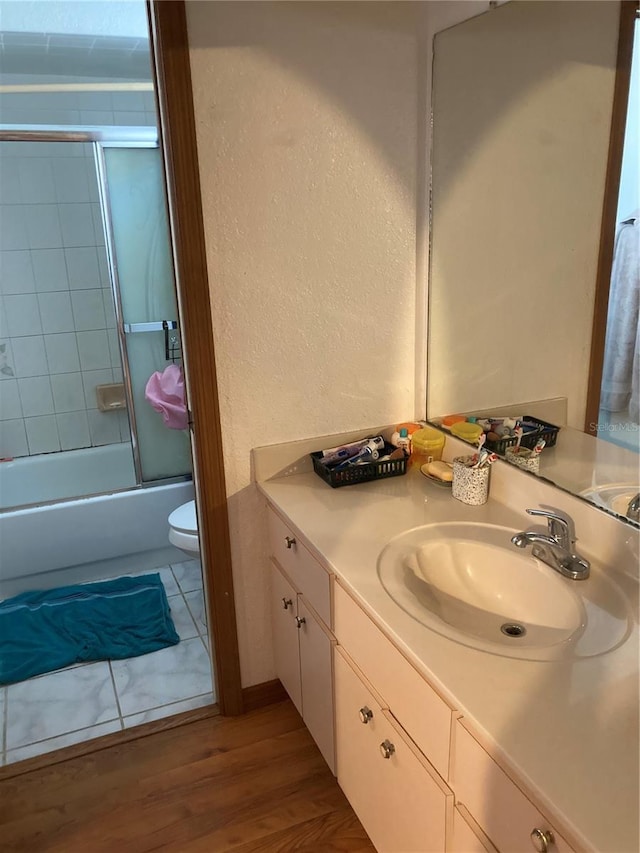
633, 510
556, 548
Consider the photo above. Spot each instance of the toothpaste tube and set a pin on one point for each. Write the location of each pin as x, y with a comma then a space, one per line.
369, 453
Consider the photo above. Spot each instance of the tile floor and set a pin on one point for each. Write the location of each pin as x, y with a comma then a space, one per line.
89, 700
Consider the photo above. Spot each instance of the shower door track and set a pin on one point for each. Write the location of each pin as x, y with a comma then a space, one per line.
100, 138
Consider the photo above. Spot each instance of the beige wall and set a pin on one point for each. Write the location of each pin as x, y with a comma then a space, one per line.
307, 125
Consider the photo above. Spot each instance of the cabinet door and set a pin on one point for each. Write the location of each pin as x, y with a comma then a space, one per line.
285, 635
502, 810
316, 672
467, 836
402, 804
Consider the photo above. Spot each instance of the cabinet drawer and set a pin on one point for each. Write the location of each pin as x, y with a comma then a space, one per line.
501, 809
467, 836
423, 714
401, 802
305, 571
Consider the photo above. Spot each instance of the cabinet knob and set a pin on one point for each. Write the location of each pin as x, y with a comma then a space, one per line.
366, 714
300, 621
387, 749
541, 839
290, 541
287, 603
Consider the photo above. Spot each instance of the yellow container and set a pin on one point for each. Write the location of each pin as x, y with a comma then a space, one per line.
466, 431
426, 446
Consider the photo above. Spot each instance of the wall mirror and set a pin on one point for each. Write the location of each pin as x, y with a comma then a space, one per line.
522, 104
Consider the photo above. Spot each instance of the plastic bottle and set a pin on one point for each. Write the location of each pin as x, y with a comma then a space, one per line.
401, 438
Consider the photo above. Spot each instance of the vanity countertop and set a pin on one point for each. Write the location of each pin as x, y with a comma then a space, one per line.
568, 729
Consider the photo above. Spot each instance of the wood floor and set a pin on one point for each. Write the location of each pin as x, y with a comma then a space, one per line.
250, 783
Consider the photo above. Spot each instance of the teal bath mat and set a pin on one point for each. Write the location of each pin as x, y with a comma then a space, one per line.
46, 630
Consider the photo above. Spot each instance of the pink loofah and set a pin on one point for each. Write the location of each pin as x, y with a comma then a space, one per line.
165, 392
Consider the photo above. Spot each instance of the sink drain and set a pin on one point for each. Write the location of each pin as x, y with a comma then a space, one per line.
513, 629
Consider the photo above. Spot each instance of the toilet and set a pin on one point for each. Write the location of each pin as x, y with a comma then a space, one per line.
183, 529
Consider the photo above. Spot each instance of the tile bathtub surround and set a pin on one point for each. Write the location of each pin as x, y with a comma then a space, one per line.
55, 299
116, 694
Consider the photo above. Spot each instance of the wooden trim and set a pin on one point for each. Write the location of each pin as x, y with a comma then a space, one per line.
261, 695
170, 49
39, 762
628, 9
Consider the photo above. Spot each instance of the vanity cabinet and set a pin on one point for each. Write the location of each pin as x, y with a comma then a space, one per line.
505, 813
467, 837
400, 799
409, 763
303, 643
423, 714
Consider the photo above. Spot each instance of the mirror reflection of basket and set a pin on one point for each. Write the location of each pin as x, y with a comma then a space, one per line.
549, 432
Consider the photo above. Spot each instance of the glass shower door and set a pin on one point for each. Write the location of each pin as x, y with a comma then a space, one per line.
134, 201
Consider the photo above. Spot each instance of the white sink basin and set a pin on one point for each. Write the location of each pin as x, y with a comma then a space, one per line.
469, 583
613, 496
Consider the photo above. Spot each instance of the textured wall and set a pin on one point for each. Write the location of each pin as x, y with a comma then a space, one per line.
307, 124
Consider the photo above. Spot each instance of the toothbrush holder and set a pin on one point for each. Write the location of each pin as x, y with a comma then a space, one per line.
470, 485
526, 459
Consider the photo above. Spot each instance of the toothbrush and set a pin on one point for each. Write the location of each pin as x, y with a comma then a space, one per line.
539, 445
518, 431
489, 459
479, 461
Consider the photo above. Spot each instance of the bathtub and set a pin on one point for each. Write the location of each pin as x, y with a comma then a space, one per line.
81, 539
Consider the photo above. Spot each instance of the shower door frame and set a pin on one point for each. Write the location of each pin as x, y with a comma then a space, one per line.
101, 138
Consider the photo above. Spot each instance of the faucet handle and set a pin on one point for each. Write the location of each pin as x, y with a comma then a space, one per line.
560, 528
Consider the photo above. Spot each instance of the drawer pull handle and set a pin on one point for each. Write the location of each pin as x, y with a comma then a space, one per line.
287, 603
387, 749
366, 714
541, 839
300, 621
290, 541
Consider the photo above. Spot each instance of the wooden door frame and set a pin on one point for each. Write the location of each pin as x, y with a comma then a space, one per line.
170, 54
608, 227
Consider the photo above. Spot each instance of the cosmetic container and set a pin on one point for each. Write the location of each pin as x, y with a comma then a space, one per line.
470, 485
427, 445
523, 458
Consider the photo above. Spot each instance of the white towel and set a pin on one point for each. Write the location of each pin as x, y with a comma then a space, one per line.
621, 370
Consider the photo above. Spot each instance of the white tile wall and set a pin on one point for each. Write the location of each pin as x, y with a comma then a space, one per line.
49, 270
42, 434
10, 406
62, 353
13, 231
29, 356
57, 319
13, 438
16, 272
43, 226
82, 268
22, 315
36, 396
77, 225
88, 310
55, 310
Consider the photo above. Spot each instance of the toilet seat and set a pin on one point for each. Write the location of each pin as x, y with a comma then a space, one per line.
183, 528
